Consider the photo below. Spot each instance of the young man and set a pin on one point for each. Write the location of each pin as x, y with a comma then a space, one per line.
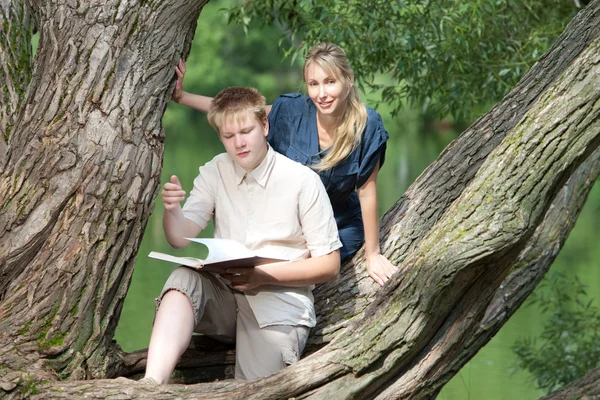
268, 203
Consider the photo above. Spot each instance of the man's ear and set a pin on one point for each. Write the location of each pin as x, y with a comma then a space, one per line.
266, 124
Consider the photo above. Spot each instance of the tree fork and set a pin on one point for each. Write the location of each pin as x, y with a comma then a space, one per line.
460, 338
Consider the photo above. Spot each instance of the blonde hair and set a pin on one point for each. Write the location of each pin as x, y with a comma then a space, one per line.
236, 102
349, 132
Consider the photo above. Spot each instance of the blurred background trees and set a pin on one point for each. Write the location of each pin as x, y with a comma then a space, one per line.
444, 57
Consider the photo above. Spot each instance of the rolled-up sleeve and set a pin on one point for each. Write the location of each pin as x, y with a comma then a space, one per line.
374, 144
316, 217
200, 205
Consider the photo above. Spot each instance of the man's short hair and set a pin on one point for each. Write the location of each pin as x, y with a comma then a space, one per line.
236, 102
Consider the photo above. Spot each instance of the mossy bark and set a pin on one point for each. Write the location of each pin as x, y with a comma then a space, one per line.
16, 28
485, 220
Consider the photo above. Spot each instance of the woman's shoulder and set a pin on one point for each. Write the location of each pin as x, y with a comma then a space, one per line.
293, 95
292, 98
290, 104
374, 125
372, 115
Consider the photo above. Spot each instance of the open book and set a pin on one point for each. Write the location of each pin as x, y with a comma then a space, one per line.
222, 254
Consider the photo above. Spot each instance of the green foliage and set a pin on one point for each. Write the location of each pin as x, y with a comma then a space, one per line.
222, 56
569, 345
448, 57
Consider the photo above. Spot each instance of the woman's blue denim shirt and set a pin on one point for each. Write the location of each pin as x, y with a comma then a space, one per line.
293, 132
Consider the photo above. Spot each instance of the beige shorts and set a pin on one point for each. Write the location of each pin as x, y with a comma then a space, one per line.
225, 315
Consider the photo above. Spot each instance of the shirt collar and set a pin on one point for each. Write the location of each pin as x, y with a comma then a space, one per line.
260, 173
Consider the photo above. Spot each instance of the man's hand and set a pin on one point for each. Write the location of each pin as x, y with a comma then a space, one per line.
244, 279
172, 194
178, 91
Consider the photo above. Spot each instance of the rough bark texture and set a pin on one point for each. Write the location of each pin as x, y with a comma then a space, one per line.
80, 176
462, 335
15, 63
586, 388
472, 236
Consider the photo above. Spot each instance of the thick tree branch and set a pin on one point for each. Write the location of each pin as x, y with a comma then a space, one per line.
586, 388
462, 336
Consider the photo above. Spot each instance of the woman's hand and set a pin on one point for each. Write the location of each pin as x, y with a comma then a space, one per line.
379, 268
178, 91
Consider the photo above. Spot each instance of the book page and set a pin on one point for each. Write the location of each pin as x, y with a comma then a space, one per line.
188, 261
223, 249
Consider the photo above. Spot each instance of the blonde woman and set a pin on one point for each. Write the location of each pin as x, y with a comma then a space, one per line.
334, 133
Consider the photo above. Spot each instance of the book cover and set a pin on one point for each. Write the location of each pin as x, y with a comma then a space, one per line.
222, 254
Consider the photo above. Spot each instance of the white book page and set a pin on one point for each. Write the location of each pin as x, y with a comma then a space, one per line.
223, 249
189, 261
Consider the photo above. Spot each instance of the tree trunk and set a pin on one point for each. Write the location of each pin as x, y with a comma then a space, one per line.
79, 178
473, 235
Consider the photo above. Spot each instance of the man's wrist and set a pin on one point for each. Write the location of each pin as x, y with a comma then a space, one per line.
264, 277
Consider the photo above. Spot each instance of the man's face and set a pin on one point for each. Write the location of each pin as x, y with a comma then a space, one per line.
245, 140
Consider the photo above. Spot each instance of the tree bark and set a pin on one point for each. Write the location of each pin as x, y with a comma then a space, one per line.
586, 388
462, 335
482, 222
80, 176
15, 60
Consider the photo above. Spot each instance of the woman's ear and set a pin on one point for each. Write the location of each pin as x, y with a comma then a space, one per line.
350, 83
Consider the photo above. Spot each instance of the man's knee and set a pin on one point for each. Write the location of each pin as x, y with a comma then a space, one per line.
268, 350
188, 283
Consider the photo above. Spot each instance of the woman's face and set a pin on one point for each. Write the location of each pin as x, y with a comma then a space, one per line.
327, 92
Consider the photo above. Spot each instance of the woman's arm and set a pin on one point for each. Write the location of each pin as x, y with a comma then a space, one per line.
195, 101
378, 267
